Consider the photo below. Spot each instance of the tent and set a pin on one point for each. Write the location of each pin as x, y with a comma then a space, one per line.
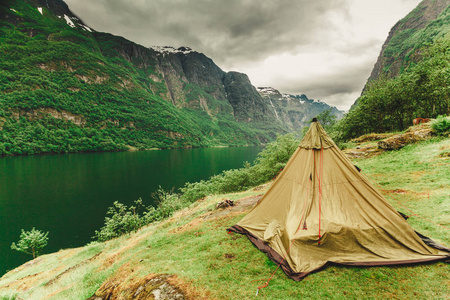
321, 209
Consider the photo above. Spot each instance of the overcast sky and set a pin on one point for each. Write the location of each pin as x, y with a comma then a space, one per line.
322, 48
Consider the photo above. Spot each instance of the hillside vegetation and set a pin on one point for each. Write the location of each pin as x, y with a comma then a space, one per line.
190, 255
68, 89
411, 77
391, 104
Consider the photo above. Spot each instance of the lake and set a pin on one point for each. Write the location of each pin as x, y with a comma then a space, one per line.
68, 195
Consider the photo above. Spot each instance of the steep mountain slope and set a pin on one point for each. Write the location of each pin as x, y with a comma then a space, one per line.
426, 23
68, 88
295, 110
410, 79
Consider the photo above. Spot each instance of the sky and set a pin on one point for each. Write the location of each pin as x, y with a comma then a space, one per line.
324, 49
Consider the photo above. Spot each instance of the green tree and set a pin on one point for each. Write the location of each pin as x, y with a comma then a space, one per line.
31, 242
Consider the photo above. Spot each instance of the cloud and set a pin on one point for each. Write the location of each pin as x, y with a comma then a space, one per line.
324, 49
230, 31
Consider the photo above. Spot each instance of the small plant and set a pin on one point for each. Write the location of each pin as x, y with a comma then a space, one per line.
441, 124
31, 242
168, 203
123, 220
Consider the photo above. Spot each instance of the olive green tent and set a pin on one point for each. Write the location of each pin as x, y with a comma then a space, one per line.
321, 209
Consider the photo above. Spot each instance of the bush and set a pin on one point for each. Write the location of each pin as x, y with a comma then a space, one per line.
123, 220
168, 203
441, 124
31, 242
267, 165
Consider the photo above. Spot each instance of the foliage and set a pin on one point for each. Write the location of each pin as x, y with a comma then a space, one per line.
391, 104
327, 119
405, 46
168, 202
123, 220
65, 90
31, 242
266, 166
441, 124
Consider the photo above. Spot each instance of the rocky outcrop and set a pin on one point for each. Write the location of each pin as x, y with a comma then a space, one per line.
247, 103
151, 287
412, 135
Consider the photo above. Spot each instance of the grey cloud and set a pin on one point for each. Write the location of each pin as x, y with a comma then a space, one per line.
337, 82
228, 31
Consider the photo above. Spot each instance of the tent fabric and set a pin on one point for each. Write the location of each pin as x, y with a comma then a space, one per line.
321, 210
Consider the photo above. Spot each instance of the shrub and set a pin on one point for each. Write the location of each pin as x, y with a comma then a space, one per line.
441, 124
267, 165
31, 242
168, 203
123, 220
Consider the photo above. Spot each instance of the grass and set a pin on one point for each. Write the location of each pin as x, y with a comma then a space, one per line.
208, 263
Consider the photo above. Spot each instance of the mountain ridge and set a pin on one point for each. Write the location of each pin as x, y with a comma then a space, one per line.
128, 95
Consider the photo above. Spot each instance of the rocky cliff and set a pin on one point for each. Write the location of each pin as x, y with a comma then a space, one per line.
427, 22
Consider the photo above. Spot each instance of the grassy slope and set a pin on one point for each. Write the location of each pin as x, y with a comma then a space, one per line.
208, 263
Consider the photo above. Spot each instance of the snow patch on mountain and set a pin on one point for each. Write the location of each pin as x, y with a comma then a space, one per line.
267, 90
69, 21
84, 27
169, 49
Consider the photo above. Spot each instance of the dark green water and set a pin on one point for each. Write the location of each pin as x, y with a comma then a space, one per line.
68, 195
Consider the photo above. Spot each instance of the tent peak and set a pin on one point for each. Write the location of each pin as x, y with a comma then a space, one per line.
316, 137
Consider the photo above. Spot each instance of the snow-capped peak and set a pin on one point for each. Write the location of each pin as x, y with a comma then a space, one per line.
267, 90
170, 49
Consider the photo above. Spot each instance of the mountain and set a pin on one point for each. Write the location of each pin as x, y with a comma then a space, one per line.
422, 26
68, 88
410, 79
295, 110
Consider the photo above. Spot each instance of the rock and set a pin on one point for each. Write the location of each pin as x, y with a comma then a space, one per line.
157, 288
412, 135
224, 204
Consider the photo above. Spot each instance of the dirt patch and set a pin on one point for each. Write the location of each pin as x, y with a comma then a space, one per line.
241, 205
31, 263
397, 191
189, 290
189, 226
156, 287
129, 243
444, 154
57, 277
49, 296
363, 152
229, 256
